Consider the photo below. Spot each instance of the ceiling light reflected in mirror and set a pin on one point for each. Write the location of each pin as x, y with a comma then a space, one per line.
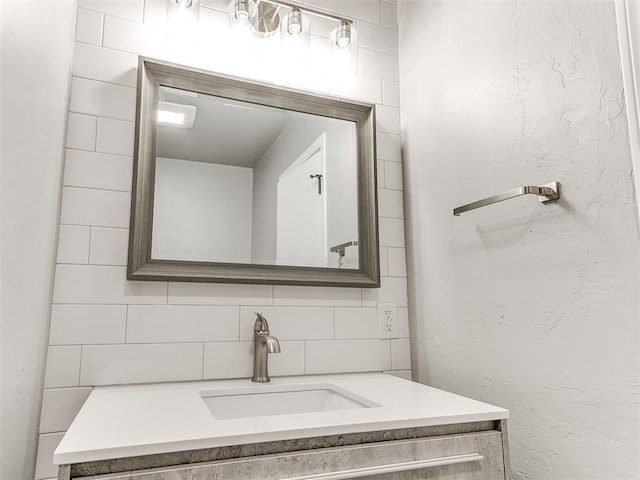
176, 114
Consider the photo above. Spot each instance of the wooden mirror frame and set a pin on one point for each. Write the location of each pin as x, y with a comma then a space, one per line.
140, 266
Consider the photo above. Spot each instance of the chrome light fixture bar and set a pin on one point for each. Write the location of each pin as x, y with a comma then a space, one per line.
264, 17
318, 12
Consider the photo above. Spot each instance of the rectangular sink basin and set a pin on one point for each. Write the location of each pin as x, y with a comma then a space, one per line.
286, 400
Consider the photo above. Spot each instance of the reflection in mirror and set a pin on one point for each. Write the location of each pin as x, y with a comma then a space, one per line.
239, 182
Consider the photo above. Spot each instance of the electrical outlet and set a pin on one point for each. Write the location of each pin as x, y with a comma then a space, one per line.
387, 320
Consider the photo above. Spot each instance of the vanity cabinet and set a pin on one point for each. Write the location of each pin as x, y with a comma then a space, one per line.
469, 451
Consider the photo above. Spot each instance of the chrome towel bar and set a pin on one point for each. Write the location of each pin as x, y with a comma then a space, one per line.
340, 249
546, 193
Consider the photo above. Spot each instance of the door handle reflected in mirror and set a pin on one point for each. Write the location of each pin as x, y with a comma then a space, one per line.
319, 177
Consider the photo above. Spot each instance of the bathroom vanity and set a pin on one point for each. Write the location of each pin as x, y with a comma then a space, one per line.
311, 427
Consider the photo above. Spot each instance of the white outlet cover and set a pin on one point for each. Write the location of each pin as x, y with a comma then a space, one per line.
387, 320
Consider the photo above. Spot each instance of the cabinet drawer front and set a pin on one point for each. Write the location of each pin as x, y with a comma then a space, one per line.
455, 457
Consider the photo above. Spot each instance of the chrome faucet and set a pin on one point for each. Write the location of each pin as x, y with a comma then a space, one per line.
263, 345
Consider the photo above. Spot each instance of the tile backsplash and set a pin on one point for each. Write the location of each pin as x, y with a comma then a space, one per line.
106, 330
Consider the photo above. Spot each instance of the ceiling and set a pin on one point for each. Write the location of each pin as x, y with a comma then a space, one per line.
226, 132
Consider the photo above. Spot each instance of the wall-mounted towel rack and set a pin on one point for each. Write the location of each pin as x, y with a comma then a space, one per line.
340, 249
546, 193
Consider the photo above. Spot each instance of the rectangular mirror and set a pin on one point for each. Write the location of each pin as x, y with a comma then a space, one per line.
241, 182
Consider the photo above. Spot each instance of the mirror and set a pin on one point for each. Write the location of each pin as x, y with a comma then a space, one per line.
240, 182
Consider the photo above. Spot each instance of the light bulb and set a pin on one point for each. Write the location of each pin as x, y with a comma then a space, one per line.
295, 29
184, 3
343, 35
242, 10
294, 22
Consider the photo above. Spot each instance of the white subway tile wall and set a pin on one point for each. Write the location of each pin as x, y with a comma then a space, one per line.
63, 366
392, 175
338, 356
103, 99
388, 15
391, 93
384, 262
115, 136
89, 26
140, 363
86, 206
391, 231
98, 170
87, 324
388, 147
182, 323
73, 244
107, 330
108, 246
46, 446
60, 406
356, 322
81, 132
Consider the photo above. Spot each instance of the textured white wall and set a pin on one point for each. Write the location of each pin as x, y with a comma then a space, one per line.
633, 8
36, 51
105, 330
628, 20
531, 307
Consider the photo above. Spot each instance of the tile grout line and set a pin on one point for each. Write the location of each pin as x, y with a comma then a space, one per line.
95, 143
334, 321
239, 324
75, 75
304, 357
80, 365
90, 238
108, 118
130, 157
202, 363
126, 324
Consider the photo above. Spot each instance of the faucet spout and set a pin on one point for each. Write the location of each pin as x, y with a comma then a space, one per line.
263, 344
273, 344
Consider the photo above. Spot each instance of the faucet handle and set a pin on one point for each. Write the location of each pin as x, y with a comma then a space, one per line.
261, 324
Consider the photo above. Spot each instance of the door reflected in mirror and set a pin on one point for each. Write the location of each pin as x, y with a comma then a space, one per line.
240, 182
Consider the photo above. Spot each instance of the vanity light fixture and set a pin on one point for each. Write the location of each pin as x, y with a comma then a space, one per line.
343, 35
294, 22
241, 10
264, 18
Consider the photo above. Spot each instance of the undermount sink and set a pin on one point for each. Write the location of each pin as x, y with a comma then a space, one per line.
285, 400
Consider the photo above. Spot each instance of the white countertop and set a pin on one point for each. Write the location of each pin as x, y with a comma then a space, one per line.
132, 420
